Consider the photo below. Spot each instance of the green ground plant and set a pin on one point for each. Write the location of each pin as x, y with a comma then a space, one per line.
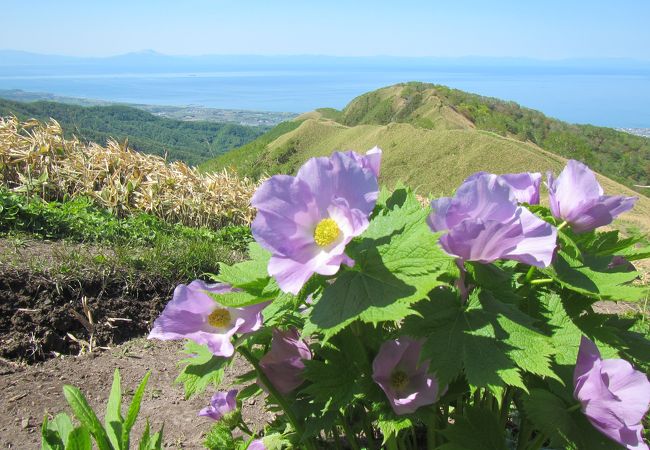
114, 434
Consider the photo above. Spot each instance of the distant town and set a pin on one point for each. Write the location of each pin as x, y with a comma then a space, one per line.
187, 113
645, 132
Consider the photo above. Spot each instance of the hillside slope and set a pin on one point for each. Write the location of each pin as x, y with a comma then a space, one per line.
427, 144
190, 142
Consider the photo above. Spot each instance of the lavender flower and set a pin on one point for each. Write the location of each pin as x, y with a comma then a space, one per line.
524, 186
222, 403
307, 220
613, 395
257, 444
193, 314
371, 160
406, 382
484, 223
577, 198
283, 364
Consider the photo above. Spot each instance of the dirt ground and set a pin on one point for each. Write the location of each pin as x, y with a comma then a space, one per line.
31, 391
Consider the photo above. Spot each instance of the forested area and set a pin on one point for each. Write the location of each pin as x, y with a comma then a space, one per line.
190, 141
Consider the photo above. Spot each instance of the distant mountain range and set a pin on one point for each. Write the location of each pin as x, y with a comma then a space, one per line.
433, 137
149, 59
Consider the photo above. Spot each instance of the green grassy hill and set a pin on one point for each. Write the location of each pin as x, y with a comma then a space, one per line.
191, 142
430, 143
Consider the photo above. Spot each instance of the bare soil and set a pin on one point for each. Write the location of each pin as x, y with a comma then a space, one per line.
31, 391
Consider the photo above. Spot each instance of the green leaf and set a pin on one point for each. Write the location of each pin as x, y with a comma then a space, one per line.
565, 335
592, 277
397, 262
134, 410
237, 299
86, 415
391, 426
219, 437
276, 441
491, 342
601, 243
250, 276
148, 441
63, 425
332, 387
79, 439
201, 369
50, 438
146, 437
549, 414
113, 418
477, 428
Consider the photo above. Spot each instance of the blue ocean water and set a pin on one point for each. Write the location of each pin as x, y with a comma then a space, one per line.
614, 99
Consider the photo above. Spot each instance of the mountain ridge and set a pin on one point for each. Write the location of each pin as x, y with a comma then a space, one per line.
429, 142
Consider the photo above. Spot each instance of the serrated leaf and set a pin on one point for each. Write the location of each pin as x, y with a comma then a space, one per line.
237, 299
330, 386
478, 428
390, 427
592, 277
250, 276
113, 417
565, 334
201, 369
397, 262
275, 441
86, 415
549, 414
219, 437
490, 341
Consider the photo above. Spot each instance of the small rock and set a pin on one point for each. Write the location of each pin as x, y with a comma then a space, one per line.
24, 423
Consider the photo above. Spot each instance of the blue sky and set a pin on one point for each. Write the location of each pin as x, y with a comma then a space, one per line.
547, 29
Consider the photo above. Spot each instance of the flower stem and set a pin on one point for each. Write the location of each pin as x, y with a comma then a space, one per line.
529, 274
279, 399
562, 225
538, 442
574, 407
542, 281
242, 426
349, 434
505, 406
525, 431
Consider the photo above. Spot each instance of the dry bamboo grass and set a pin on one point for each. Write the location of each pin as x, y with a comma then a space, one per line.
35, 158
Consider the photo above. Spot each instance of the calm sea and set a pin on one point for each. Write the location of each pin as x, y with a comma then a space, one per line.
608, 99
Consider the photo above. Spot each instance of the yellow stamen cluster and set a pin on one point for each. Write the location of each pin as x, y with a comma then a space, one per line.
219, 318
326, 232
399, 380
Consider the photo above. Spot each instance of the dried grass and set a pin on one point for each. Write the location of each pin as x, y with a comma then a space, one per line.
35, 158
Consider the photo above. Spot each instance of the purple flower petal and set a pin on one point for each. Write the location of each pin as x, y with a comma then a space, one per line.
524, 185
193, 314
283, 364
307, 220
257, 444
613, 395
405, 381
484, 223
222, 403
577, 197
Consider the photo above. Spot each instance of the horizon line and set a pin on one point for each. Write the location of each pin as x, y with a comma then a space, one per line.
320, 55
